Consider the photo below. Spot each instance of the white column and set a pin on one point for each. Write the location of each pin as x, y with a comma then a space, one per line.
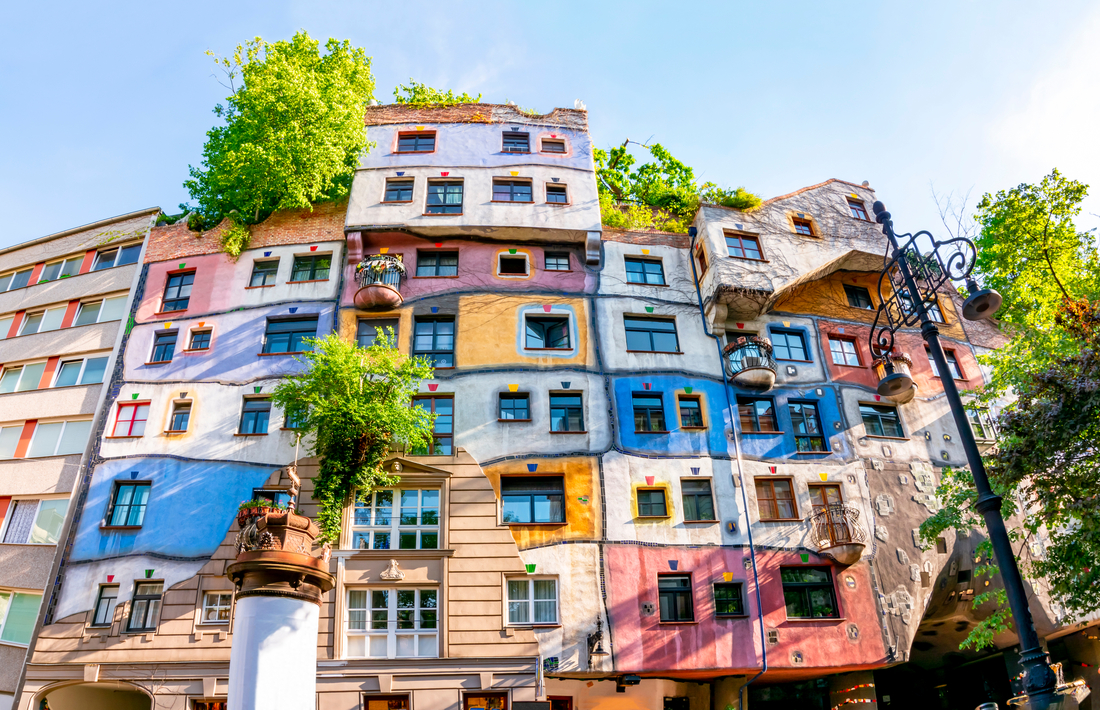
273, 663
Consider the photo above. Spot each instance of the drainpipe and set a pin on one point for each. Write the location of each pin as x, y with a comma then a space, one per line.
693, 233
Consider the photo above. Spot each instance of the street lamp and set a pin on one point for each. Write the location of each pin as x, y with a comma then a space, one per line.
914, 278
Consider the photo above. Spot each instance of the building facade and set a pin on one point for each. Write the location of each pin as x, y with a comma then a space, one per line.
63, 301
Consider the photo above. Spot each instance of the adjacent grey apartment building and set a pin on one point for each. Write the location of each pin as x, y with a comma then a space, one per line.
64, 301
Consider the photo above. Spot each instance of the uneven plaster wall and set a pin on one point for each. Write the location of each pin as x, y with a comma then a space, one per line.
697, 354
583, 500
679, 282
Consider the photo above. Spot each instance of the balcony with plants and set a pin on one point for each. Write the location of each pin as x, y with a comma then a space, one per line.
379, 280
750, 363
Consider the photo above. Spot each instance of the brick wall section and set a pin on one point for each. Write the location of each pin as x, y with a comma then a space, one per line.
647, 238
473, 113
324, 224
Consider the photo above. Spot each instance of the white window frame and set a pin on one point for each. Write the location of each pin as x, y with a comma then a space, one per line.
574, 336
5, 325
216, 607
519, 254
60, 437
117, 248
99, 316
22, 371
5, 608
37, 512
80, 375
95, 606
392, 632
530, 601
395, 528
985, 418
11, 278
78, 260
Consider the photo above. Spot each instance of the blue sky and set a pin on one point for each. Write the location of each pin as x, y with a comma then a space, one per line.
104, 109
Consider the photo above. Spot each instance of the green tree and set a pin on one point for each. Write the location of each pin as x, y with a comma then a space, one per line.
352, 406
420, 95
293, 132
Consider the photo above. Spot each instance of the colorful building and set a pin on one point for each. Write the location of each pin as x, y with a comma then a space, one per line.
661, 476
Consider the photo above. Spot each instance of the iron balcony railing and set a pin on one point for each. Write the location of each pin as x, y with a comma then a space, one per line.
749, 353
836, 524
384, 270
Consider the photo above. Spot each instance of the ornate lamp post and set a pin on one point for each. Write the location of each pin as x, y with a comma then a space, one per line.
914, 279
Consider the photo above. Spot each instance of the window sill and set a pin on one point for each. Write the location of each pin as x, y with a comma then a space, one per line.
288, 428
133, 436
441, 214
190, 351
292, 352
854, 367
435, 277
515, 152
534, 626
781, 520
508, 421
264, 434
693, 428
513, 276
396, 202
570, 432
733, 617
558, 204
212, 623
812, 452
652, 432
247, 288
558, 271
762, 433
957, 379
657, 352
828, 620
120, 527
387, 554
524, 525
888, 438
512, 202
553, 350
805, 362
169, 313
653, 517
168, 432
677, 623
308, 281
411, 152
745, 258
700, 522
158, 362
635, 283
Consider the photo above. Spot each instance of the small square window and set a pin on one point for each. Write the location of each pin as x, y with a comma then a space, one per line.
857, 209
652, 503
130, 420
254, 416
109, 258
789, 345
654, 335
691, 412
369, 330
881, 421
843, 351
952, 364
807, 426
858, 297
546, 333
744, 246
674, 593
200, 340
311, 268
532, 601
557, 261
437, 263
553, 145
434, 338
775, 499
398, 191
981, 423
164, 346
516, 142
418, 142
701, 261
727, 599
145, 608
216, 607
128, 504
181, 417
808, 593
803, 226
556, 195
444, 197
757, 414
177, 292
508, 265
649, 413
644, 271
264, 273
532, 499
289, 335
512, 191
515, 407
697, 498
566, 413
105, 605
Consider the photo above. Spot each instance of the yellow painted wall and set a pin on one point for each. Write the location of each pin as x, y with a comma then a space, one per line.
488, 326
581, 481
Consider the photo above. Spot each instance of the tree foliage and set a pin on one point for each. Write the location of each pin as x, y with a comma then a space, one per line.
420, 95
293, 132
352, 405
660, 194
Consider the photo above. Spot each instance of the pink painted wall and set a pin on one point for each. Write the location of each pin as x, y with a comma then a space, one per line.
210, 292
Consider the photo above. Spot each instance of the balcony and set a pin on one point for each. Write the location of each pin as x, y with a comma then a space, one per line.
836, 532
900, 363
749, 362
379, 279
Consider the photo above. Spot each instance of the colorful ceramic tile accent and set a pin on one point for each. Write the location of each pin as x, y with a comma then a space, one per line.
149, 573
400, 173
511, 251
513, 388
110, 578
257, 389
135, 395
727, 576
530, 567
514, 172
532, 467
445, 173
695, 470
433, 387
384, 250
546, 307
435, 309
294, 309
565, 384
313, 248
771, 469
740, 326
645, 251
805, 557
649, 480
267, 253
649, 309
823, 476
673, 565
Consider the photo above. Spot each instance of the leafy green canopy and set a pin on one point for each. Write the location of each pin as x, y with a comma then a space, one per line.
293, 132
352, 405
662, 194
420, 95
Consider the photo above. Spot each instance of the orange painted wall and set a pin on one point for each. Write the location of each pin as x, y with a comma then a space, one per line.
581, 484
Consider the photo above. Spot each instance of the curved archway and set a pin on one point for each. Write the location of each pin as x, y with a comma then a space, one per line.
95, 696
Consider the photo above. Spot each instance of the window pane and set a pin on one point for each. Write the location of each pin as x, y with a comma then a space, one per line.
21, 521
89, 313
31, 324
9, 440
94, 367
22, 613
47, 526
113, 309
67, 374
10, 379
74, 437
45, 439
52, 319
32, 375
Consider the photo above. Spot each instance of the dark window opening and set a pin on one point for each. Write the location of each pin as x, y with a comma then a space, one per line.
181, 417
691, 412
434, 338
727, 599
514, 407
674, 592
789, 345
200, 340
808, 593
645, 271
652, 503
145, 608
128, 504
289, 335
743, 246
756, 414
858, 210
880, 420
533, 499
105, 605
513, 265
254, 416
177, 292
556, 195
858, 297
807, 426
437, 263
557, 261
368, 331
419, 142
264, 273
311, 268
547, 333
164, 346
698, 499
775, 499
655, 335
442, 428
804, 227
398, 191
512, 191
444, 197
566, 412
550, 145
516, 142
649, 413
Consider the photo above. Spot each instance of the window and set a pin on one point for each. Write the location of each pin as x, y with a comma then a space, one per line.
103, 311
311, 268
727, 599
164, 346
516, 142
546, 333
59, 438
216, 607
556, 195
557, 261
177, 292
181, 417
649, 413
444, 197
701, 260
88, 371
880, 420
508, 265
566, 413
392, 623
42, 321
674, 592
128, 504
264, 273
775, 499
18, 614
107, 258
398, 191
442, 427
821, 497
54, 271
437, 263
698, 501
416, 527
652, 503
254, 416
419, 142
654, 335
691, 412
843, 351
807, 426
789, 345
9, 441
952, 364
277, 496
5, 325
532, 601
857, 209
550, 145
808, 593
289, 335
744, 246
145, 608
980, 423
200, 340
858, 297
515, 407
511, 190
18, 279
22, 378
35, 522
934, 311
532, 499
757, 414
105, 605
803, 226
369, 330
644, 271
434, 339
130, 420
